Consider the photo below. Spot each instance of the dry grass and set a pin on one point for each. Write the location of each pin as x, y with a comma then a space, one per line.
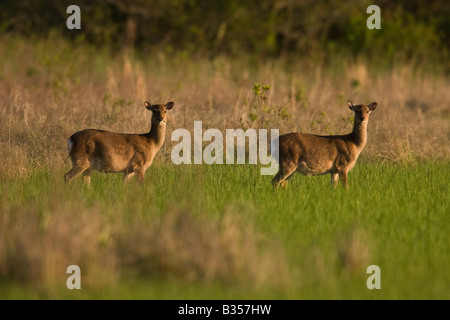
354, 250
49, 94
50, 90
37, 245
190, 248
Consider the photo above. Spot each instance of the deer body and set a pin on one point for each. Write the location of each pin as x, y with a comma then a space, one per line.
317, 155
110, 152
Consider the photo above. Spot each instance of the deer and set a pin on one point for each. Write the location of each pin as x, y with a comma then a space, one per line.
111, 152
313, 155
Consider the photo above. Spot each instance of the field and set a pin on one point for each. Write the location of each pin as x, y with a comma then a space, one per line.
221, 232
200, 231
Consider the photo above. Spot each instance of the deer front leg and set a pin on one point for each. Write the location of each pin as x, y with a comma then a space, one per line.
137, 167
140, 174
343, 176
87, 176
78, 167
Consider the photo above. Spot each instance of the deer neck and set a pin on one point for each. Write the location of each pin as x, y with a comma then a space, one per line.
359, 133
157, 133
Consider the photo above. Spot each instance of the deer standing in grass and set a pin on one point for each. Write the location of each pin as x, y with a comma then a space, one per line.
110, 152
314, 155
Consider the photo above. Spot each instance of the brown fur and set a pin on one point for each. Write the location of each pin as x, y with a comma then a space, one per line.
111, 152
317, 155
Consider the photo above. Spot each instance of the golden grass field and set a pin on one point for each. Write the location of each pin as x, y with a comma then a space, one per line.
195, 225
50, 90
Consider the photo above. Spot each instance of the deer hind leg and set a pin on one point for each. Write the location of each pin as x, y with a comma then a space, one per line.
334, 179
283, 176
78, 167
285, 182
127, 177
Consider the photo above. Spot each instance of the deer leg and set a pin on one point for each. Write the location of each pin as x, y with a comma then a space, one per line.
140, 175
343, 175
277, 180
78, 167
334, 179
283, 176
87, 176
285, 182
127, 176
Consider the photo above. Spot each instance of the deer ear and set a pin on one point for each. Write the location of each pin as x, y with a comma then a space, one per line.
351, 106
169, 105
372, 106
148, 105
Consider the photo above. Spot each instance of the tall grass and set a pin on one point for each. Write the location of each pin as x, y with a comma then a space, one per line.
223, 231
219, 231
50, 89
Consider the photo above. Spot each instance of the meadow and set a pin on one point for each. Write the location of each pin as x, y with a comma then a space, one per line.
200, 231
221, 232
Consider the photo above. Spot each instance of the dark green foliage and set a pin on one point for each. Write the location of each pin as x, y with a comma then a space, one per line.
412, 30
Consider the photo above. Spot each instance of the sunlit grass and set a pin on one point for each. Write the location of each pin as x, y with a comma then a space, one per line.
321, 240
198, 231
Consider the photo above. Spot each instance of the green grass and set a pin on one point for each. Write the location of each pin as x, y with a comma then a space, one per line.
206, 232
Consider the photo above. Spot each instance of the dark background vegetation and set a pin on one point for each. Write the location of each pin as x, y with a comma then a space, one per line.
414, 30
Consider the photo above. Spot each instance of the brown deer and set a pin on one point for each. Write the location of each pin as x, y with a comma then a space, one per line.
314, 155
110, 152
